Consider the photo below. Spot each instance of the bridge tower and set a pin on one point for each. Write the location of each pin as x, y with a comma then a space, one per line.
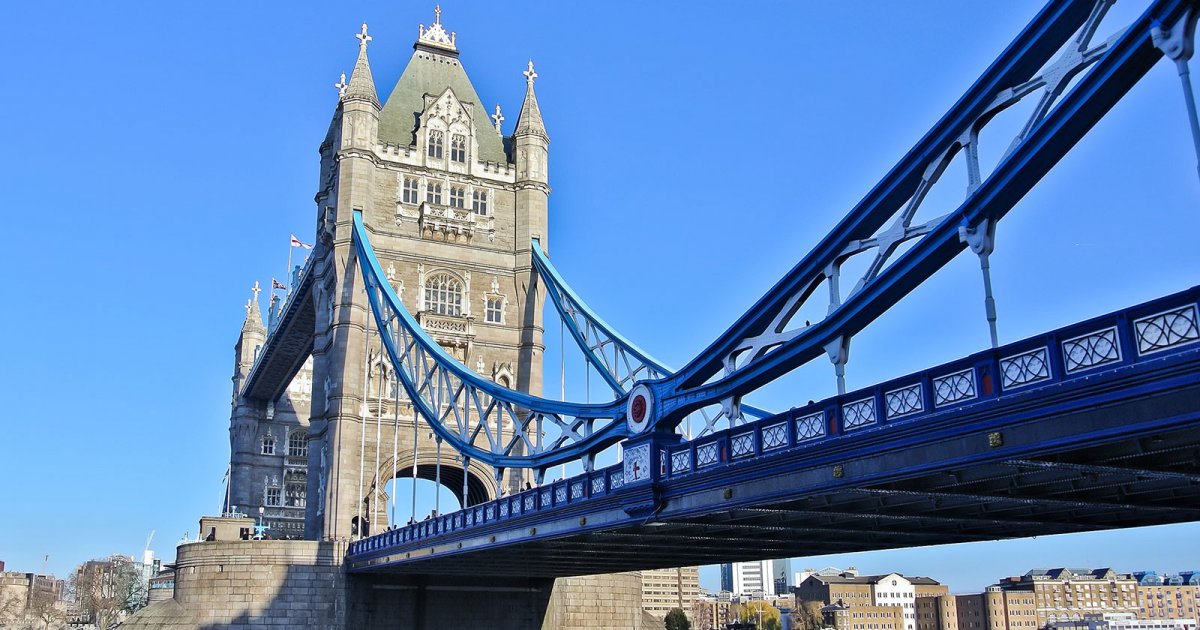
452, 204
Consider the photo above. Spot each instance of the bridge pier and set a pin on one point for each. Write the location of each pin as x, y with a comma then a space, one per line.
602, 602
302, 584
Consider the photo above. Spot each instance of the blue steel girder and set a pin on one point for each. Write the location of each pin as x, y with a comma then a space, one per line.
596, 339
1089, 426
467, 410
761, 347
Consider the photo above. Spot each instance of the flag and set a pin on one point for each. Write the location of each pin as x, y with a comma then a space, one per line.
296, 243
275, 284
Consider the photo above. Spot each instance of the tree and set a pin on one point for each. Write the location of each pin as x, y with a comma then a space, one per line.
677, 620
12, 607
45, 607
105, 589
763, 614
808, 616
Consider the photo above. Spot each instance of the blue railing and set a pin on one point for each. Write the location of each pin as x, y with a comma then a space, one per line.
1134, 335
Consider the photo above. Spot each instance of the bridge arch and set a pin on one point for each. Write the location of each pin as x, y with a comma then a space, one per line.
481, 481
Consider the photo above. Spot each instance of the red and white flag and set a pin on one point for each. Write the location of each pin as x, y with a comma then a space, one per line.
275, 284
296, 243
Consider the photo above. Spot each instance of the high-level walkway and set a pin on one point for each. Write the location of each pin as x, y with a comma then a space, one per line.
1092, 426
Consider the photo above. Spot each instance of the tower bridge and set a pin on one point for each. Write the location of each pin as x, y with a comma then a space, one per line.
411, 345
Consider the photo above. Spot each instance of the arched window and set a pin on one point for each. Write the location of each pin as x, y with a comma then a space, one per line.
268, 444
437, 141
443, 295
298, 444
295, 494
458, 148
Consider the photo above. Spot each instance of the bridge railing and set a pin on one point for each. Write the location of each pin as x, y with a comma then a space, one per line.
1134, 335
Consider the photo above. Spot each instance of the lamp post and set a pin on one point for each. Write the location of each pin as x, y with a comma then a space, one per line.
260, 530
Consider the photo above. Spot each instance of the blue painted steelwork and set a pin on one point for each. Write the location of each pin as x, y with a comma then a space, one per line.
462, 407
761, 346
1111, 347
594, 336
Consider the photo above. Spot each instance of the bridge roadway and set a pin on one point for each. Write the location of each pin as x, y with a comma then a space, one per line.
1089, 427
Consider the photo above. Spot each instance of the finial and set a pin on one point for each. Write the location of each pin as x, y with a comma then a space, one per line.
497, 118
255, 290
530, 75
341, 86
249, 302
436, 34
362, 37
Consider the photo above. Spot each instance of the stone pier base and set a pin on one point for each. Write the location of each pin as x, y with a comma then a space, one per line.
300, 584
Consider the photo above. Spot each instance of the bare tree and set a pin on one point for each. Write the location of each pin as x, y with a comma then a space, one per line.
104, 589
12, 607
45, 607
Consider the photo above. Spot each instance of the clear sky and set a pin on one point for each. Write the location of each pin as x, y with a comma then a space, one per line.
159, 155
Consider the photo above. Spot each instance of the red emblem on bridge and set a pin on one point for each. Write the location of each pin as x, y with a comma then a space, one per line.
638, 408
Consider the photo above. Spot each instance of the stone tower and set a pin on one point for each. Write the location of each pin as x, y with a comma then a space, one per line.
452, 205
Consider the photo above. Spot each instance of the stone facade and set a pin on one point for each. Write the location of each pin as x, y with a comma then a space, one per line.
239, 584
452, 204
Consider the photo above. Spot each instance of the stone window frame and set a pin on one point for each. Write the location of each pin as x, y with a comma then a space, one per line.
297, 444
410, 194
447, 299
458, 148
479, 201
458, 196
267, 446
433, 192
435, 145
272, 496
495, 295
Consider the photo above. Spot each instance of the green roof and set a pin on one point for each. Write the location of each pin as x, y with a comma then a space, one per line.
432, 74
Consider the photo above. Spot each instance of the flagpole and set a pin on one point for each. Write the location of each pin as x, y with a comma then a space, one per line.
289, 269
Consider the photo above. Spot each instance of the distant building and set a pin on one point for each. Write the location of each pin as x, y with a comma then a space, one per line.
1060, 594
749, 578
26, 588
1168, 596
162, 586
874, 602
664, 589
710, 613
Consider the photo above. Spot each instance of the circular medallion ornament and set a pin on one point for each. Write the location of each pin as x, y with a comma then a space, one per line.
640, 408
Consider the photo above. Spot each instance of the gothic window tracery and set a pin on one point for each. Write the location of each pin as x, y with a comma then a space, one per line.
458, 196
411, 191
272, 497
494, 310
479, 201
298, 444
437, 141
458, 148
443, 295
268, 444
433, 193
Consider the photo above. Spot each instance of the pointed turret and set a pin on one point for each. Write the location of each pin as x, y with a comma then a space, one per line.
251, 338
529, 122
362, 84
253, 323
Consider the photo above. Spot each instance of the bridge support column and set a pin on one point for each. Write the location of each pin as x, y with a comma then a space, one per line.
420, 602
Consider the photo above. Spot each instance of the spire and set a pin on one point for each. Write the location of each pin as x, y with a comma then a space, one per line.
253, 321
436, 36
362, 85
529, 121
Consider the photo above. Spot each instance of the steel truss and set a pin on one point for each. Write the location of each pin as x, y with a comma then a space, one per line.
506, 428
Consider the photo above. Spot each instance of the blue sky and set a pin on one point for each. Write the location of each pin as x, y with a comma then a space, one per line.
160, 154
